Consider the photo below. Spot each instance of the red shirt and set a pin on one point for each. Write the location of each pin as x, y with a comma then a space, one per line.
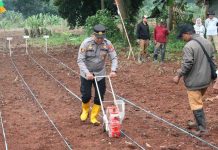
160, 34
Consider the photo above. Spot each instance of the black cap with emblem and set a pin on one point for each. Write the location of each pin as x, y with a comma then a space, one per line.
99, 31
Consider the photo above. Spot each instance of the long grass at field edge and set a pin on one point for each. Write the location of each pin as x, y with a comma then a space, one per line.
173, 49
59, 39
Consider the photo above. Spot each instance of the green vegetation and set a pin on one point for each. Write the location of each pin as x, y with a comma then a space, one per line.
31, 7
58, 39
87, 13
43, 20
104, 17
43, 24
76, 11
174, 45
11, 19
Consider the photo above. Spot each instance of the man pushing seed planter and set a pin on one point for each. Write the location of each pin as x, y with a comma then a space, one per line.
91, 60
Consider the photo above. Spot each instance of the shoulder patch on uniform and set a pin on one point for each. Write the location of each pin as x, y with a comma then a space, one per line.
90, 47
110, 47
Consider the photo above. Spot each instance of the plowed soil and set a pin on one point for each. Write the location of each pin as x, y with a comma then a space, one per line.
147, 85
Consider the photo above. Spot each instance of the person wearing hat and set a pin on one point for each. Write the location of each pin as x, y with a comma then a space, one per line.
143, 37
196, 72
199, 28
211, 29
160, 40
91, 61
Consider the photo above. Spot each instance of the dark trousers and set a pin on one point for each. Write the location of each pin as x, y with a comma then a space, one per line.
160, 47
86, 90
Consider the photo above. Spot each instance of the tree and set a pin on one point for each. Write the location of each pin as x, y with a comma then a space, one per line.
31, 7
178, 5
77, 11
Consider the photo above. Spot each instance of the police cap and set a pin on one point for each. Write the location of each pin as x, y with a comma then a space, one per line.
99, 31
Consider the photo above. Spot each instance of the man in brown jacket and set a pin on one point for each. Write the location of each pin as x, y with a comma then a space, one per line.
195, 70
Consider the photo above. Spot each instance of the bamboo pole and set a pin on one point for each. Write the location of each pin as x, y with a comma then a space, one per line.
130, 46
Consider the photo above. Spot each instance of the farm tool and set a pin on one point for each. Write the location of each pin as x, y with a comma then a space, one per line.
114, 114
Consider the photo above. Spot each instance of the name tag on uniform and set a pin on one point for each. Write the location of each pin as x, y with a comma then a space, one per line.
90, 47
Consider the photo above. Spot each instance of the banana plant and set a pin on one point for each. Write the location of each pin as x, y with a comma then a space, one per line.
43, 24
11, 19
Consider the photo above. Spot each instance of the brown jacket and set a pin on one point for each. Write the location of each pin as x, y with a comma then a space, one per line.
195, 67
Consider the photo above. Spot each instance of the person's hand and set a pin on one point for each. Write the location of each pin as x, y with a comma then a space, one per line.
112, 74
155, 42
176, 79
89, 76
138, 41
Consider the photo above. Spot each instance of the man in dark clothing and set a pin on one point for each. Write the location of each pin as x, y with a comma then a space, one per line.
196, 71
143, 37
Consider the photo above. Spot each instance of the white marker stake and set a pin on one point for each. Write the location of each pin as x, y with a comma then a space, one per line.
3, 131
9, 44
46, 42
26, 38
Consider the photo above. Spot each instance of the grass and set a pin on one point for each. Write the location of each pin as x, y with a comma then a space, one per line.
59, 39
174, 46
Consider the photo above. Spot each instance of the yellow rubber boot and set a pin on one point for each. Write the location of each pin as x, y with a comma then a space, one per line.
85, 111
94, 114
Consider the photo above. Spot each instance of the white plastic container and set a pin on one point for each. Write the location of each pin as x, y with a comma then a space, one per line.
121, 107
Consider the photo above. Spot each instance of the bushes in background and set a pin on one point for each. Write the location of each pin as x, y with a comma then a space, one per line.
105, 18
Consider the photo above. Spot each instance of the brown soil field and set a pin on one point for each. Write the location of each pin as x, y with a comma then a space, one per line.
148, 86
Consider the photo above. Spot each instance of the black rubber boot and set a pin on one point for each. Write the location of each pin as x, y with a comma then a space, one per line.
155, 57
139, 58
200, 120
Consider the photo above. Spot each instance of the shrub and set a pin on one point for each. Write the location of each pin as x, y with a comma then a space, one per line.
105, 18
11, 19
43, 24
174, 45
